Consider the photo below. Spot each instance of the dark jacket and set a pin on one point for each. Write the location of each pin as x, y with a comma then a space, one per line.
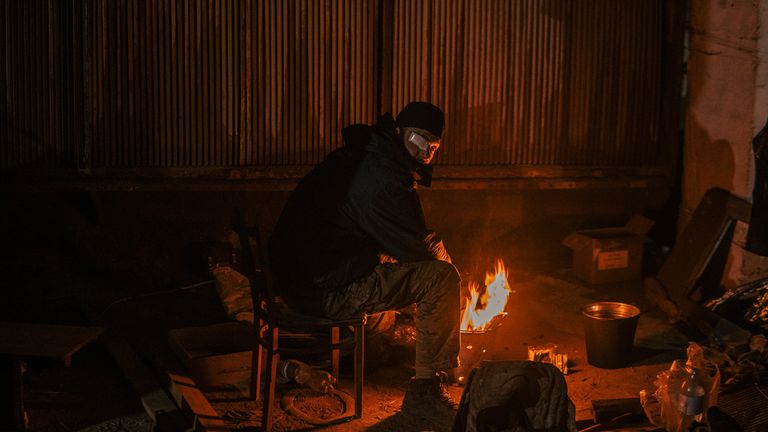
357, 204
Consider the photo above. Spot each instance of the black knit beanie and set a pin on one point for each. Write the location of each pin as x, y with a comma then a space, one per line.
422, 115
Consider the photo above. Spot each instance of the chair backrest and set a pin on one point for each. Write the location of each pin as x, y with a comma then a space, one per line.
262, 289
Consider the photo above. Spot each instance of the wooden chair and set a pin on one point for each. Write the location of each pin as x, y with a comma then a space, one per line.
275, 319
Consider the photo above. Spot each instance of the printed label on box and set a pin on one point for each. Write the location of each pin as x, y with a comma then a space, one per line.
613, 260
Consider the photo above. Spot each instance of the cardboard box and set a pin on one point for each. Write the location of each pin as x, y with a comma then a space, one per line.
609, 254
217, 356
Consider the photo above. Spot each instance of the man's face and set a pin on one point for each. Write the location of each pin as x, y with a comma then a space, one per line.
421, 144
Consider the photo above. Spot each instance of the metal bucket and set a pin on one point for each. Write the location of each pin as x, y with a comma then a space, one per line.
609, 332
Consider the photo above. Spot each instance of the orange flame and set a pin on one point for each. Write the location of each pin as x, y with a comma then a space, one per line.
494, 298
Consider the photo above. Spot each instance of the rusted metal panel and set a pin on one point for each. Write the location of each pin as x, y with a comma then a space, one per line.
32, 56
229, 83
535, 82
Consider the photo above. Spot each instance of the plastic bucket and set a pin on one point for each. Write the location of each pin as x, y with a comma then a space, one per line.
609, 332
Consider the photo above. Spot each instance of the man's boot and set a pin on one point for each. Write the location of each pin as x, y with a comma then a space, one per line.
430, 400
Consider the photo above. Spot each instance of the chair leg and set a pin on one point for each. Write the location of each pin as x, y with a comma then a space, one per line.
359, 364
273, 358
255, 391
335, 352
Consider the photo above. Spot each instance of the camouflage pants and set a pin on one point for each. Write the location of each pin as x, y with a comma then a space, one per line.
432, 285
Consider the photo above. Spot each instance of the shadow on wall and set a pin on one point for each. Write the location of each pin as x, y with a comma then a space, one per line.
114, 244
53, 238
710, 163
525, 228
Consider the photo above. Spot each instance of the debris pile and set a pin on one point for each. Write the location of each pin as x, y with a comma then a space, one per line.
740, 364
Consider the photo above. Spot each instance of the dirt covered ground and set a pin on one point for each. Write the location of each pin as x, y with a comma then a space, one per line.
544, 308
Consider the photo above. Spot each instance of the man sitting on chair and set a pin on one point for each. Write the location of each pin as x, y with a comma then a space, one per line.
352, 240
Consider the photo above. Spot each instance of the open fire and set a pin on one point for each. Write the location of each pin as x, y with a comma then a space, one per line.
481, 310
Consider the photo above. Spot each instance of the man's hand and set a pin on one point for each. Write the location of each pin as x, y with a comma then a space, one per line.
437, 248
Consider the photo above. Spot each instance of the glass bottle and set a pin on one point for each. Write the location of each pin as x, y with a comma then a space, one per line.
692, 395
307, 376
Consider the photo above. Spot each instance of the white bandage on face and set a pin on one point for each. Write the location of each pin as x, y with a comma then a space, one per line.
419, 141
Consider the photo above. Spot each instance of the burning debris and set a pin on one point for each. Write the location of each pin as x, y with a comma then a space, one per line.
482, 313
481, 309
548, 354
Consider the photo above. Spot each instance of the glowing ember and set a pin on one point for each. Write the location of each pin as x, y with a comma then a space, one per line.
480, 310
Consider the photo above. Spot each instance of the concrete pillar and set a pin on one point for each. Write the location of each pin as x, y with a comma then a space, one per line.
727, 104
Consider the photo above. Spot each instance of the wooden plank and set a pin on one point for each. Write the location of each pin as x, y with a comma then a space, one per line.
701, 237
194, 403
157, 403
757, 237
42, 341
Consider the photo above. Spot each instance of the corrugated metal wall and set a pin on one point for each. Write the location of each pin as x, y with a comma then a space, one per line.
222, 83
37, 115
204, 83
536, 82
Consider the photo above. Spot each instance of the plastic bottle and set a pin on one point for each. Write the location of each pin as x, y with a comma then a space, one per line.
305, 375
692, 400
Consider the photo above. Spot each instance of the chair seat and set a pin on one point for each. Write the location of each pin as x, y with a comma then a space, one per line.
293, 320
